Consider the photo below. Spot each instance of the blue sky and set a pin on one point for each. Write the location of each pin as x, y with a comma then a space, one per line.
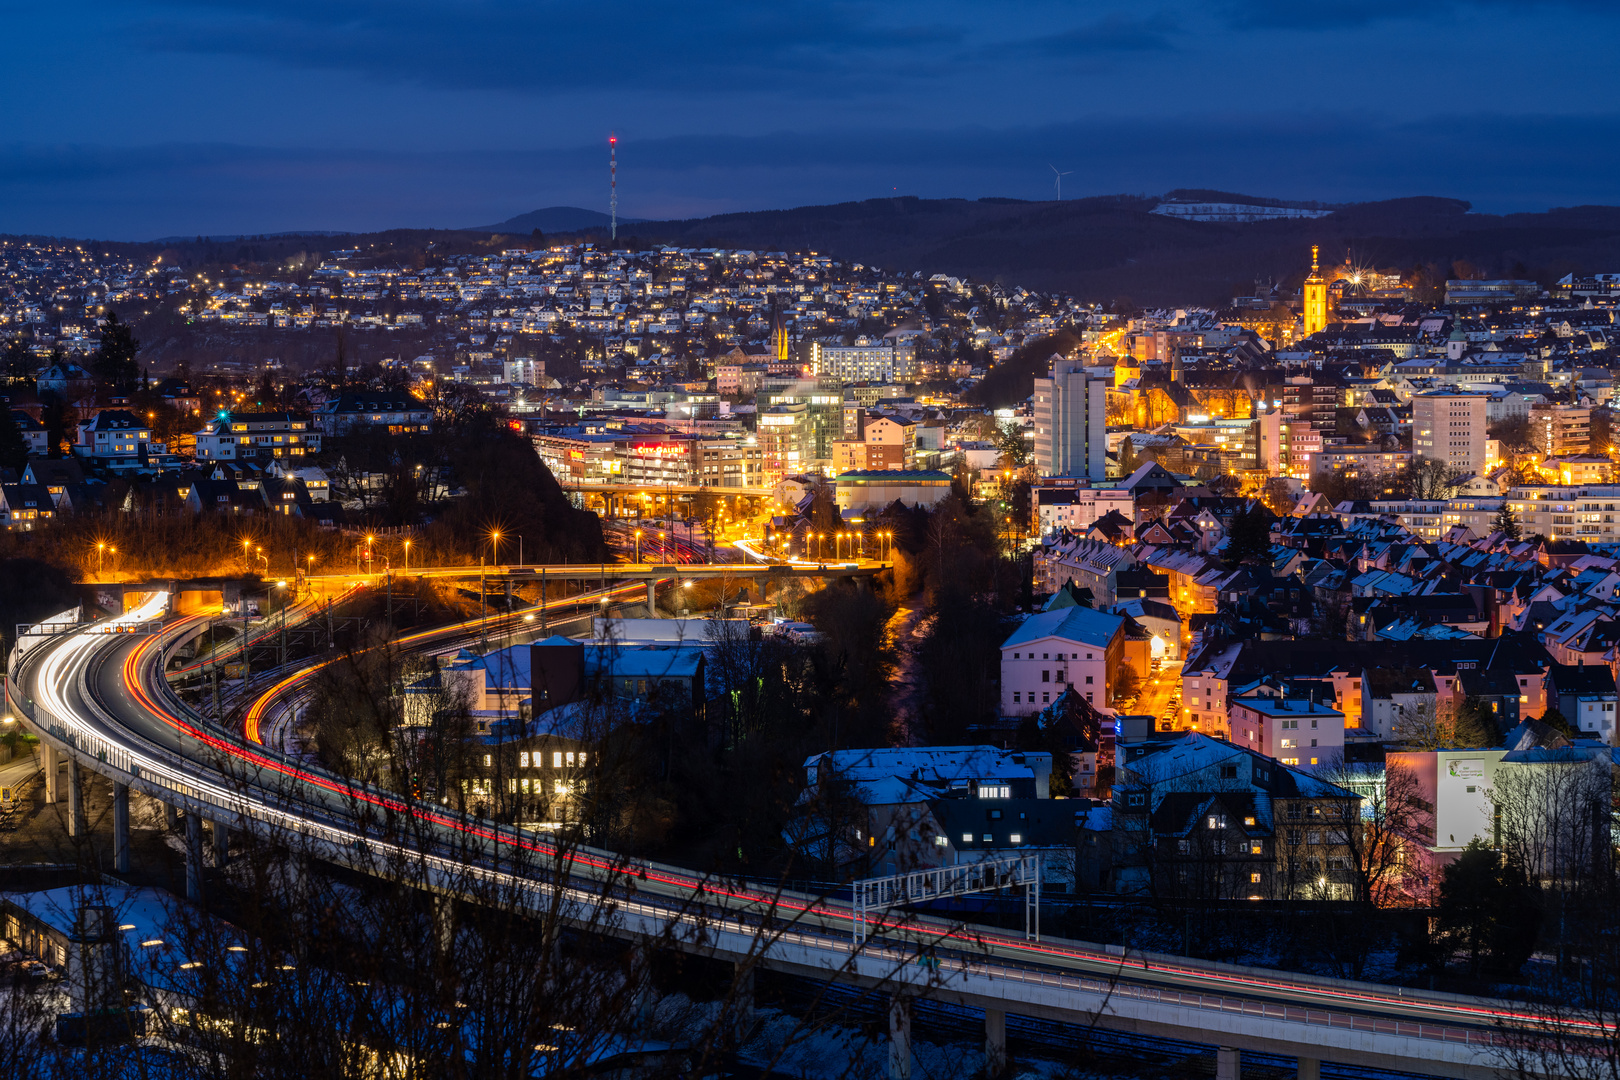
144, 118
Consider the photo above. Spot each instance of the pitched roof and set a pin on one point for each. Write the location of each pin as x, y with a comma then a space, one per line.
1080, 624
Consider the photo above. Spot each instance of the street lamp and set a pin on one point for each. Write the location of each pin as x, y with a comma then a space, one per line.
407, 555
638, 545
495, 546
101, 548
246, 547
258, 553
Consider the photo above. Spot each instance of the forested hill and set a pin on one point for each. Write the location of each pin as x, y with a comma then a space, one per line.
1114, 249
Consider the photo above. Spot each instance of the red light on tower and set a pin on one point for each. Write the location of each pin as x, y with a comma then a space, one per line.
613, 186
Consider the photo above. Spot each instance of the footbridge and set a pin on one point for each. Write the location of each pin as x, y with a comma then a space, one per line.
99, 699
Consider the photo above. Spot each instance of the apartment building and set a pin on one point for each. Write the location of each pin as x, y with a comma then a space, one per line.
1558, 430
1053, 650
1579, 512
1449, 426
897, 437
1071, 409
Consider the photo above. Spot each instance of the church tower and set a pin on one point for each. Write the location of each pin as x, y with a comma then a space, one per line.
1316, 290
780, 344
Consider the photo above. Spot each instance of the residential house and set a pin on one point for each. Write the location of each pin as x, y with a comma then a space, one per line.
394, 411
1200, 818
25, 507
113, 438
876, 809
256, 437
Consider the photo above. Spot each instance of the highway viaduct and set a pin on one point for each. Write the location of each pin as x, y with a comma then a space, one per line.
98, 699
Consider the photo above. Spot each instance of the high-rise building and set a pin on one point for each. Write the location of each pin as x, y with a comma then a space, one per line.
1071, 433
1559, 429
786, 442
1315, 297
1449, 426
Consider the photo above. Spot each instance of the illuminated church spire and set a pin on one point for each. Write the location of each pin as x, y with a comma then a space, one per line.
1315, 297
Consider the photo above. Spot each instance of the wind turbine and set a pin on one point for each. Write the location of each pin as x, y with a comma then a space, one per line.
1058, 179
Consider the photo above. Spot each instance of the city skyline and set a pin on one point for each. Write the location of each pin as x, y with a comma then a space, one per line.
168, 119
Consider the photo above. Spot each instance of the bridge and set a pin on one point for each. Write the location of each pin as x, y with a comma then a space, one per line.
99, 700
763, 576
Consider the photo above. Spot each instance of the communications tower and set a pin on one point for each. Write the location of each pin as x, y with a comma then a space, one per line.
613, 186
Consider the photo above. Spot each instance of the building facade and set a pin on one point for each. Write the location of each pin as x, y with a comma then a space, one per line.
1071, 410
1448, 426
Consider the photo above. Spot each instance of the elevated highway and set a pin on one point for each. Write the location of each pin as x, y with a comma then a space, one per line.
101, 699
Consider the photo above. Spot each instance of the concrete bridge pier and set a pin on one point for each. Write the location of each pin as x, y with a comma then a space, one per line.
222, 842
194, 857
76, 823
652, 599
444, 924
760, 585
995, 1042
47, 761
1310, 1069
638, 981
1228, 1063
899, 1037
120, 828
742, 1000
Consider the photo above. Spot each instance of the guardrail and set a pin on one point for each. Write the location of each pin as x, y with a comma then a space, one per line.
700, 910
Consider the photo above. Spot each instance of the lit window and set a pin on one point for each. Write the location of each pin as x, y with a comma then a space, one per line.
489, 759
523, 762
556, 759
967, 838
1017, 838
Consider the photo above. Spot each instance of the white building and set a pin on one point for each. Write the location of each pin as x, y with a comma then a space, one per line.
1449, 426
1296, 731
865, 361
256, 436
112, 435
1071, 410
1076, 508
1052, 650
1575, 512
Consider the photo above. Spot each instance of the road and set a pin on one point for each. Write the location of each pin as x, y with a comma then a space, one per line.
102, 696
1157, 693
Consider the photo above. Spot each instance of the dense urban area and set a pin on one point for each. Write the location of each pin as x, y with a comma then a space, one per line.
1280, 635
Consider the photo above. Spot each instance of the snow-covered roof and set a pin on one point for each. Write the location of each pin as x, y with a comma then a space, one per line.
1085, 625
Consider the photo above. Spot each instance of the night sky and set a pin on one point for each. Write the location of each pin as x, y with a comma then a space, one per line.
139, 119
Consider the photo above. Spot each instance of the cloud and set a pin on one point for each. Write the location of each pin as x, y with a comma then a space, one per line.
729, 47
1350, 14
180, 189
1111, 34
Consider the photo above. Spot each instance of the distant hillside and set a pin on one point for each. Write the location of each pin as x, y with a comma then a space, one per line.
1113, 249
553, 219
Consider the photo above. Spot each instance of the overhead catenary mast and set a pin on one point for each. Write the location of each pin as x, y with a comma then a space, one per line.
613, 186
